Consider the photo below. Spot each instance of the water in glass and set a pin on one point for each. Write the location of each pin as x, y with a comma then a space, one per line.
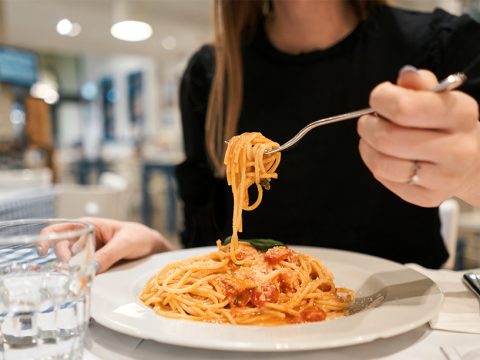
46, 270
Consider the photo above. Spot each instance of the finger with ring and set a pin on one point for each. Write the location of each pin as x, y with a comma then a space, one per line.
414, 175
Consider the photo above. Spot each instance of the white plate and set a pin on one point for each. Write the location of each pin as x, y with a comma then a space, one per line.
403, 300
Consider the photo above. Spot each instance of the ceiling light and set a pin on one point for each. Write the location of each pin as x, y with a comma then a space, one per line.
130, 30
46, 88
130, 21
66, 28
45, 92
89, 90
76, 30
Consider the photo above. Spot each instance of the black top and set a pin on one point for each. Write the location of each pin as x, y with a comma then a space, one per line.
325, 195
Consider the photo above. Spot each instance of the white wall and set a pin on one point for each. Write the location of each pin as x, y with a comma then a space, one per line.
96, 67
162, 126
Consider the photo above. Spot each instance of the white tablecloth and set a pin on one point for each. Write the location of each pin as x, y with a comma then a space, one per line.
421, 343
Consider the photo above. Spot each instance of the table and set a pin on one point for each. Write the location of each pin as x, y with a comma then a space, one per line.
470, 221
421, 343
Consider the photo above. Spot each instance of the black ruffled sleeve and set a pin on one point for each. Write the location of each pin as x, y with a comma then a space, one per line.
197, 187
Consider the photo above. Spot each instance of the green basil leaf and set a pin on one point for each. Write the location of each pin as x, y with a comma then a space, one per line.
259, 244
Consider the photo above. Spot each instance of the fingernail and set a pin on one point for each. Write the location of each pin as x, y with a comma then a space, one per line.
407, 68
96, 266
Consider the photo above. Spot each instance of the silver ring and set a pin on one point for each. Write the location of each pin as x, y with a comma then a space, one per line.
414, 177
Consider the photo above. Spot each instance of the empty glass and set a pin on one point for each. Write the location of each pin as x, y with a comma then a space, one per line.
46, 270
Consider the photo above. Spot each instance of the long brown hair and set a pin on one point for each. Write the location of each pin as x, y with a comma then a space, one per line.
234, 20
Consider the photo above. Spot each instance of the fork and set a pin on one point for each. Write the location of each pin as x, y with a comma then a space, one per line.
472, 280
449, 83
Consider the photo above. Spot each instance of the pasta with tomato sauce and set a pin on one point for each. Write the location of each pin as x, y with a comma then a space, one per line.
238, 283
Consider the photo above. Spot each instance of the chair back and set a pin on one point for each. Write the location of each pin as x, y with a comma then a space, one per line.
25, 178
74, 201
449, 212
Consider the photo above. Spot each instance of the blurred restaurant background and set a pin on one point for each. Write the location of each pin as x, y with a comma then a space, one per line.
89, 120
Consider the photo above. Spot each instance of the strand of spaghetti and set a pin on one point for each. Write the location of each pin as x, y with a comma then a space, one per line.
320, 269
234, 168
207, 266
259, 199
214, 316
214, 297
273, 313
205, 306
175, 305
302, 271
186, 310
176, 315
297, 298
174, 265
228, 316
184, 277
283, 308
273, 275
209, 293
187, 289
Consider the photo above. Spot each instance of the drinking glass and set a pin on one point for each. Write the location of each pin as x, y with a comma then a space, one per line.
46, 270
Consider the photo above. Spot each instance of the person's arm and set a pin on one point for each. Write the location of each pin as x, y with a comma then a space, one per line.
435, 136
117, 240
197, 186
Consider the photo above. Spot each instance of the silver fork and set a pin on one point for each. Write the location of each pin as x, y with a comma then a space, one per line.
472, 280
449, 83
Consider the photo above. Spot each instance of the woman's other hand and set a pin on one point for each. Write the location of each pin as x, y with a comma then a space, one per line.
423, 146
117, 240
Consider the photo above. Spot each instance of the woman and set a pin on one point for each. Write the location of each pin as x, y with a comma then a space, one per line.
310, 59
371, 186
